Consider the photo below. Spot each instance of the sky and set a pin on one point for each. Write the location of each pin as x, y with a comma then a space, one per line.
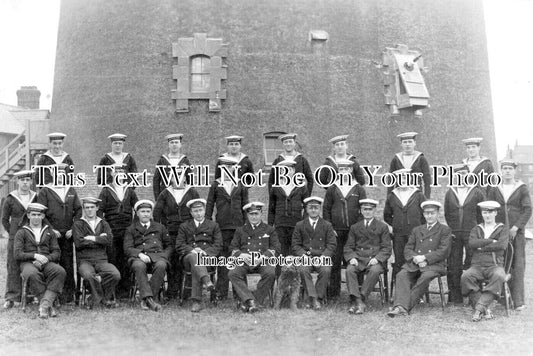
28, 36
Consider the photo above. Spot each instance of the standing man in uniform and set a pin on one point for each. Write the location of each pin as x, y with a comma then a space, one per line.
171, 210
488, 242
367, 251
92, 236
13, 213
117, 156
340, 148
116, 208
515, 211
425, 259
37, 251
462, 214
254, 236
148, 247
174, 158
476, 163
342, 210
54, 157
286, 207
413, 160
233, 143
198, 236
301, 166
403, 213
314, 237
63, 209
228, 199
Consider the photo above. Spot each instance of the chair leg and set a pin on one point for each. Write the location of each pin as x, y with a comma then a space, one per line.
133, 289
391, 294
24, 294
507, 296
381, 290
183, 287
441, 290
82, 293
386, 286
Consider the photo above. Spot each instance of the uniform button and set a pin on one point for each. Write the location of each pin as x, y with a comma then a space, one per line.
429, 251
418, 251
430, 240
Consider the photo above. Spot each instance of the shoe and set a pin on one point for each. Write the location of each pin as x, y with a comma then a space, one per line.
210, 286
196, 307
143, 305
488, 314
44, 311
152, 304
316, 304
110, 304
53, 312
9, 304
352, 309
360, 309
397, 311
520, 307
252, 307
477, 315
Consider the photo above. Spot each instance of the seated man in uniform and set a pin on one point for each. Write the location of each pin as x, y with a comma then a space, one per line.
425, 255
198, 236
367, 250
314, 237
254, 236
488, 242
92, 236
147, 246
37, 251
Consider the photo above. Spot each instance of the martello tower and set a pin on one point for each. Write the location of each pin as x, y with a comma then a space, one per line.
257, 68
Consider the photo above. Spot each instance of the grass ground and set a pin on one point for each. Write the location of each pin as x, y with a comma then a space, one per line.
222, 330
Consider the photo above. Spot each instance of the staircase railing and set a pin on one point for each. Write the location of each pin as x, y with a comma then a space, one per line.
13, 152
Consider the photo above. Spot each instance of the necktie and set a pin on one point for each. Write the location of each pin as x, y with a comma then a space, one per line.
367, 223
145, 226
314, 224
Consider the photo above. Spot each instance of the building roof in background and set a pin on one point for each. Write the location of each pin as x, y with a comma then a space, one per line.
9, 124
521, 154
31, 114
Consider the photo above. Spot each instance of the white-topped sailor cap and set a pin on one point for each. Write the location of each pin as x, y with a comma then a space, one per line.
431, 204
233, 138
489, 205
40, 208
90, 200
174, 136
339, 138
253, 206
24, 174
289, 136
313, 200
117, 137
411, 135
194, 203
143, 203
508, 162
368, 202
56, 136
473, 141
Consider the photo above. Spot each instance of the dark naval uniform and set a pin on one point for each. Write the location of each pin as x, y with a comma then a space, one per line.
51, 276
301, 166
284, 212
342, 212
91, 257
364, 243
246, 165
229, 216
154, 242
172, 214
118, 213
128, 164
13, 214
48, 159
318, 241
247, 239
61, 214
413, 281
484, 164
461, 218
402, 218
419, 165
515, 211
206, 236
164, 160
357, 172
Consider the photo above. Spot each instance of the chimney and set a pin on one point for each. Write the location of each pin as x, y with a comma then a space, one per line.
28, 97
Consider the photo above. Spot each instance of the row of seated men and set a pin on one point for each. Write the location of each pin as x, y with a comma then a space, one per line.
368, 248
285, 206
